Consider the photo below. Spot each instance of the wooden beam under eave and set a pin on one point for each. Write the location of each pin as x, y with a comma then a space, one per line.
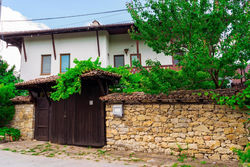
98, 43
24, 51
53, 44
137, 47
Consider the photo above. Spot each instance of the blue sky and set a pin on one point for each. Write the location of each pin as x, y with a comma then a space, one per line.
52, 8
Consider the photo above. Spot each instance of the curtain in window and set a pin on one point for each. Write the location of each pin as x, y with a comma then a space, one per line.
46, 69
119, 61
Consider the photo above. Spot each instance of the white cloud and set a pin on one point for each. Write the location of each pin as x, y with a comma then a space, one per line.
11, 54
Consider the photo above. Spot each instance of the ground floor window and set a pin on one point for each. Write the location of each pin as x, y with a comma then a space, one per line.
119, 60
135, 57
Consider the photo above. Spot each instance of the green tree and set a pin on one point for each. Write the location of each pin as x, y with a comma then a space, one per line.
205, 36
7, 91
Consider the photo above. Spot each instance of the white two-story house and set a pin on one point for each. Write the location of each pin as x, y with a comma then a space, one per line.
52, 51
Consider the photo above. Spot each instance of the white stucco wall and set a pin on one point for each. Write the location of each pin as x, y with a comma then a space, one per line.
82, 46
119, 42
79, 45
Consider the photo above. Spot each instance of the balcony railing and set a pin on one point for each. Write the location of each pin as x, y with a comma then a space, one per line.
172, 67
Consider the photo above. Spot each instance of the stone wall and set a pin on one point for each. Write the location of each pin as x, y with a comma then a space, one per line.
24, 120
210, 131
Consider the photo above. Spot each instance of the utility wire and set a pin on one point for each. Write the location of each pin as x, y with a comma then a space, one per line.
82, 21
71, 16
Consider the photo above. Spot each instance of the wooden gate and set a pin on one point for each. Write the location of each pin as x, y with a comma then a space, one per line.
79, 120
42, 119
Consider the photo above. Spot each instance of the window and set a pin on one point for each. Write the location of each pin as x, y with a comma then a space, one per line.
64, 62
118, 60
175, 61
135, 57
46, 65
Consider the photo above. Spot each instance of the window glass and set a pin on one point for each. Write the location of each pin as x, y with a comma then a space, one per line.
135, 57
176, 62
119, 60
46, 64
65, 60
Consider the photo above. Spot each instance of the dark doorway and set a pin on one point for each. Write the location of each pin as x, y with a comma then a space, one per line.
42, 118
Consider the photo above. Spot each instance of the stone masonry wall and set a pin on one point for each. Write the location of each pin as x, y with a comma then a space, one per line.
24, 120
210, 131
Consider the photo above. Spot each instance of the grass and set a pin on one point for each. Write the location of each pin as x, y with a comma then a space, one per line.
101, 152
6, 149
35, 154
203, 162
131, 155
182, 157
51, 155
175, 165
31, 150
136, 159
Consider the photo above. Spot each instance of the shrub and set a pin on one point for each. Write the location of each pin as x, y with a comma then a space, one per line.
244, 156
14, 133
7, 110
152, 81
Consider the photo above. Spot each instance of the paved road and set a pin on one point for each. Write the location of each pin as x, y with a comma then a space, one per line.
10, 159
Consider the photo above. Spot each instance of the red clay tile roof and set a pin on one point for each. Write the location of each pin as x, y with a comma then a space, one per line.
52, 79
21, 100
181, 96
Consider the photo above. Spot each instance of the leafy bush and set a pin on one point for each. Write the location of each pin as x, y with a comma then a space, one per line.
7, 91
7, 110
242, 99
152, 81
14, 133
244, 156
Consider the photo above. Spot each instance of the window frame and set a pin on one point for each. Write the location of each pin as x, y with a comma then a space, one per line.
119, 56
42, 57
64, 54
138, 57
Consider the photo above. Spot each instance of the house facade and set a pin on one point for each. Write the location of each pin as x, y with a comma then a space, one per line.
49, 52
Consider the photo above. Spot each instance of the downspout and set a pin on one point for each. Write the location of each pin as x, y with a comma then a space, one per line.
137, 48
98, 43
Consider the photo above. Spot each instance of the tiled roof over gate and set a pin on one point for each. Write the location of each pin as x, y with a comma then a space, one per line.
52, 79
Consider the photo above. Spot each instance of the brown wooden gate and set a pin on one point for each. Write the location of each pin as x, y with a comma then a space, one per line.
42, 119
80, 119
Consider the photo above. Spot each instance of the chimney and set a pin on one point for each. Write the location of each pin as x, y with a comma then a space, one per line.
95, 23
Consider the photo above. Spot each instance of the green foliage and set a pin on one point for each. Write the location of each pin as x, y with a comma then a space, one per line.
7, 91
70, 82
129, 82
244, 156
241, 99
207, 36
152, 81
14, 133
203, 162
181, 156
7, 110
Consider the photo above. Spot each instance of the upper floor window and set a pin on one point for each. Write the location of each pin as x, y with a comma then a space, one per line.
135, 57
118, 60
46, 65
175, 61
64, 62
